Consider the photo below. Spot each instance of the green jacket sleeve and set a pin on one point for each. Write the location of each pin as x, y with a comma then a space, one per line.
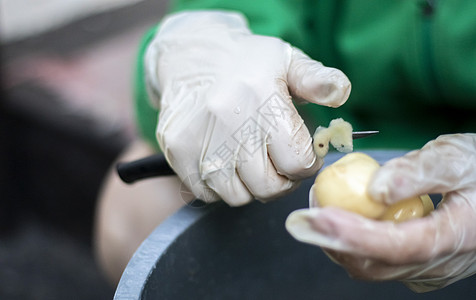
279, 18
146, 116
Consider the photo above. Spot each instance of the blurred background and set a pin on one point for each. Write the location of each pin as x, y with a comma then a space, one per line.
65, 114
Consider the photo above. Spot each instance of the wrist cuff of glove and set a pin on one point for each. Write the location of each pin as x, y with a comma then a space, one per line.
195, 21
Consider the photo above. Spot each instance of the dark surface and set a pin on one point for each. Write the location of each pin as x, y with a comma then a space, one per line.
52, 165
41, 261
220, 252
52, 162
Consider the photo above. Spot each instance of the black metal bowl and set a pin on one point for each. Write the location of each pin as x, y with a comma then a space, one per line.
219, 252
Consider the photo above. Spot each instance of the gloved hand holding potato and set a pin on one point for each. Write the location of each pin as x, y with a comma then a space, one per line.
425, 253
227, 124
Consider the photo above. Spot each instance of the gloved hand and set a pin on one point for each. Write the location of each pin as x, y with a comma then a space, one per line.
227, 124
426, 254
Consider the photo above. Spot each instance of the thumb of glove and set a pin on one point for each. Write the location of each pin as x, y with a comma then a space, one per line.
310, 80
443, 165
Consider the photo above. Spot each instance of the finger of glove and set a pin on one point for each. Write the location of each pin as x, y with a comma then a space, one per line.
193, 182
260, 176
212, 180
310, 80
442, 273
364, 268
445, 164
420, 278
221, 176
289, 142
199, 188
415, 241
228, 185
189, 173
342, 231
180, 151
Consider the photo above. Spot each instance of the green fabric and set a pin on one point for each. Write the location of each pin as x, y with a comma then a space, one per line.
281, 18
145, 114
413, 74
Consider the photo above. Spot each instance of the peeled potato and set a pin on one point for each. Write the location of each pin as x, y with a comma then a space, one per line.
344, 184
408, 209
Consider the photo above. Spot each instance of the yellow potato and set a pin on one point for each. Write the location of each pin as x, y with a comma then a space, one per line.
408, 209
344, 184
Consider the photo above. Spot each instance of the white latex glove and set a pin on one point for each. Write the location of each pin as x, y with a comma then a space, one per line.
227, 124
426, 254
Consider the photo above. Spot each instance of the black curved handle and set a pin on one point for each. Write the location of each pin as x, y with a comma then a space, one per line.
147, 167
